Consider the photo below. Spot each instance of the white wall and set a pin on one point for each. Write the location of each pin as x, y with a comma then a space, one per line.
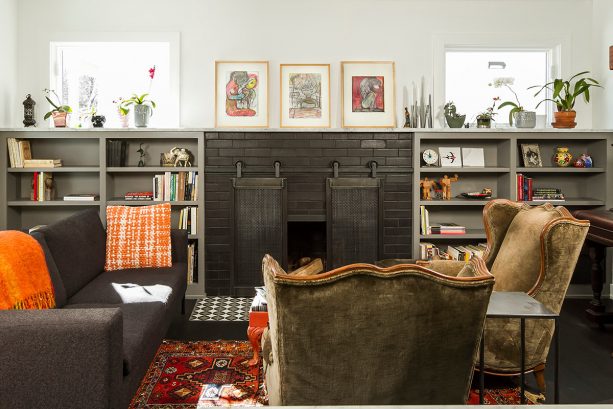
291, 31
602, 40
9, 103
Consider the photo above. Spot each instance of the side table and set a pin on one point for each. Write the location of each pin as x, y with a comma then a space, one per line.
258, 322
519, 305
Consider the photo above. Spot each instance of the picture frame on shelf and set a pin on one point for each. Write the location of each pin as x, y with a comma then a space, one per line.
531, 155
473, 157
241, 94
304, 95
368, 95
450, 157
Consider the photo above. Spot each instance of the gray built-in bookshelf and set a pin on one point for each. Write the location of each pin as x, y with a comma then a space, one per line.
85, 170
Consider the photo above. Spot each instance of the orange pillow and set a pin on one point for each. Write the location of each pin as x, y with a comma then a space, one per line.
138, 237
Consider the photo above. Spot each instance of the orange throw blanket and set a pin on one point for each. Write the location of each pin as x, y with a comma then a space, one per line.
25, 282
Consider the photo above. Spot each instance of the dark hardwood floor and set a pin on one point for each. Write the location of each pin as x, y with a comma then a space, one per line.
586, 363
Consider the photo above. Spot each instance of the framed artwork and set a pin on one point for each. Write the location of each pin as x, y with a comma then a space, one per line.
450, 157
368, 94
532, 155
241, 94
473, 157
305, 95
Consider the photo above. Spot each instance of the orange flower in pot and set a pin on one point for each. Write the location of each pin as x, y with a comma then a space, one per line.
564, 94
59, 111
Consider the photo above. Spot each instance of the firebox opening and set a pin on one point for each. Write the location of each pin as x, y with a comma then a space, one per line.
305, 239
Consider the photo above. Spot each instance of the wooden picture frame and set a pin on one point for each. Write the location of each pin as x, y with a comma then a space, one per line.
368, 94
531, 155
241, 94
304, 91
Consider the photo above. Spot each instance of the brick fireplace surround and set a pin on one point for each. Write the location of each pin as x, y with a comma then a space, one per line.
306, 159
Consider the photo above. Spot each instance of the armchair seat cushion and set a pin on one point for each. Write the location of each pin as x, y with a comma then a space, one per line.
142, 325
526, 229
101, 289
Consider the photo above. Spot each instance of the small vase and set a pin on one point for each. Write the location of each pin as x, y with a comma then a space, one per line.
124, 120
142, 113
562, 157
98, 121
484, 122
564, 119
525, 119
59, 119
455, 122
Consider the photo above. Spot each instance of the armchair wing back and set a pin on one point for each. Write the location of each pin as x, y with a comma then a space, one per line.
367, 335
534, 250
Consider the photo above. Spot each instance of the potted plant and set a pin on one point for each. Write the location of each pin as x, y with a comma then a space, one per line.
523, 118
485, 118
59, 111
143, 107
564, 96
454, 120
122, 112
97, 120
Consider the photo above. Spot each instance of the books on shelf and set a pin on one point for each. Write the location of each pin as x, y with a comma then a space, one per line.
19, 151
138, 196
527, 192
77, 197
438, 228
175, 186
42, 163
116, 153
429, 251
188, 219
192, 262
42, 187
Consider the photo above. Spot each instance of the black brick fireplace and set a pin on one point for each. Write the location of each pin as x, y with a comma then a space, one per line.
306, 160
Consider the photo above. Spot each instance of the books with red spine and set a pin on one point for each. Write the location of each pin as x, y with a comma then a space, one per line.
520, 187
530, 193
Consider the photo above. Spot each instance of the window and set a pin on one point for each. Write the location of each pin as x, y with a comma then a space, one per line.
94, 74
469, 72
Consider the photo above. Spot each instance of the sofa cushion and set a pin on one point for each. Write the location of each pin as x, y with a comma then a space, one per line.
77, 245
101, 289
56, 279
518, 262
143, 323
138, 237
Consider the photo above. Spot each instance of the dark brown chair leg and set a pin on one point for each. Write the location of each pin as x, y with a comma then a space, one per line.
539, 375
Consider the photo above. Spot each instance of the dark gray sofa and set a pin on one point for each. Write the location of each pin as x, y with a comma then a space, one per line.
93, 349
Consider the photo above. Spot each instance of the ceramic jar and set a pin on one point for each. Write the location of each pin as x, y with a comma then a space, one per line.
142, 113
525, 119
59, 119
562, 157
457, 122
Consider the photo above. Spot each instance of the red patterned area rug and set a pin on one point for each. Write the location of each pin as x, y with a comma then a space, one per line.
190, 375
186, 375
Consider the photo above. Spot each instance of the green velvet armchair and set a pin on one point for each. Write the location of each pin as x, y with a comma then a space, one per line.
533, 250
363, 335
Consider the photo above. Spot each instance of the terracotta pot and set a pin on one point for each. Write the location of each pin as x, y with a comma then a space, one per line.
564, 119
59, 119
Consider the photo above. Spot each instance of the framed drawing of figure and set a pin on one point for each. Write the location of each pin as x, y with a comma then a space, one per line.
368, 94
241, 94
305, 95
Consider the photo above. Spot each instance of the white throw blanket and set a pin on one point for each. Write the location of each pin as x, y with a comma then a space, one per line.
133, 293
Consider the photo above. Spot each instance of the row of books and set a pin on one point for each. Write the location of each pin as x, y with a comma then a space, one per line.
177, 186
437, 228
429, 251
526, 191
42, 186
188, 219
138, 196
20, 156
116, 152
192, 263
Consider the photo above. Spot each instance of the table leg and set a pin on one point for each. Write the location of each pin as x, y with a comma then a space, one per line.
255, 337
556, 386
522, 351
597, 254
482, 368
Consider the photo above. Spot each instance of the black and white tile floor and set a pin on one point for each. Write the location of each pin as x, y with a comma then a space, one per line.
221, 309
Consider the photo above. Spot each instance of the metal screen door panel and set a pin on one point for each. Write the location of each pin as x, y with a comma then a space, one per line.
354, 220
260, 227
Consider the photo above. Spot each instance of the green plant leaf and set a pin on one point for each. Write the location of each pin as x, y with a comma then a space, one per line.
153, 104
48, 114
544, 100
51, 102
578, 75
558, 85
507, 104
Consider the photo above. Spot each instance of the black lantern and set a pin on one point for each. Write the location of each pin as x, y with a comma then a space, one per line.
28, 111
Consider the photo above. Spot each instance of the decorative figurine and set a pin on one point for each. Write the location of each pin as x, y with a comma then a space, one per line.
562, 157
141, 159
584, 161
426, 185
98, 121
167, 159
183, 157
407, 118
28, 111
446, 185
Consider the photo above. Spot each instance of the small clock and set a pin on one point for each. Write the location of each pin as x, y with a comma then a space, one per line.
430, 156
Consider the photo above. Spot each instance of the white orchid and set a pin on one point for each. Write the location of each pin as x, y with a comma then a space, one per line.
502, 81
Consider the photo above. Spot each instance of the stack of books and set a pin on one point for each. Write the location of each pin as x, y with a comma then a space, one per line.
465, 253
192, 263
19, 151
42, 163
116, 153
446, 228
139, 196
524, 188
188, 219
85, 197
548, 194
177, 186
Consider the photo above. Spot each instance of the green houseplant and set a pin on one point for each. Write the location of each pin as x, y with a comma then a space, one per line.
59, 111
485, 118
454, 120
143, 109
522, 117
564, 95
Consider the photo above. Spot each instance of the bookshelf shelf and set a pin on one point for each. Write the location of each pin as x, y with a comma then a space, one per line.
454, 202
47, 203
471, 234
119, 201
577, 201
560, 170
433, 169
193, 236
63, 169
149, 169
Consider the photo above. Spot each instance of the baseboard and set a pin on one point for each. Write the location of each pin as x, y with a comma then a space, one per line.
581, 291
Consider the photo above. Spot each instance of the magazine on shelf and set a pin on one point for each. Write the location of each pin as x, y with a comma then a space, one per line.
86, 197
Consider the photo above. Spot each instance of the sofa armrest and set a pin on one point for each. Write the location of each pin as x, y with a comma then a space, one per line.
61, 358
178, 240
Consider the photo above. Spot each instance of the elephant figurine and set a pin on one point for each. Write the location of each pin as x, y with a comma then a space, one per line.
183, 157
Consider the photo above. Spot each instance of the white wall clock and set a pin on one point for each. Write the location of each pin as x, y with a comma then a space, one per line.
430, 157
